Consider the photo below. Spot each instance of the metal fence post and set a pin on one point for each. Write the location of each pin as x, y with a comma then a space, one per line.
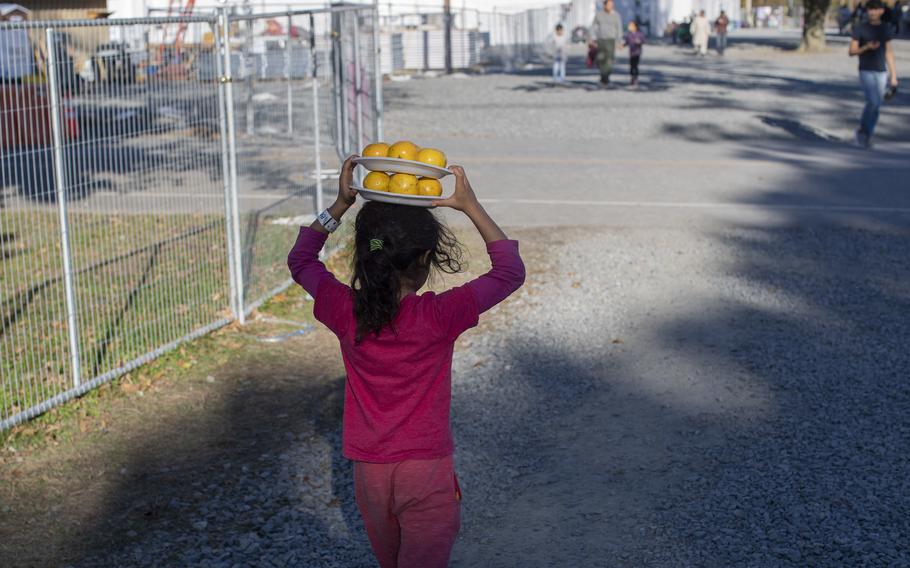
249, 77
377, 73
341, 72
287, 67
358, 105
232, 155
60, 182
316, 142
338, 96
225, 165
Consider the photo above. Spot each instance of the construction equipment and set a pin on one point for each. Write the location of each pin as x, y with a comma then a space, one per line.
176, 7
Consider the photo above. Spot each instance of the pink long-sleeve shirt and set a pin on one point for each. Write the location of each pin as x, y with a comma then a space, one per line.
398, 391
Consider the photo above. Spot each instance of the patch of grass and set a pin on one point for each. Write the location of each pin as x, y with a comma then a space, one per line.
66, 421
140, 281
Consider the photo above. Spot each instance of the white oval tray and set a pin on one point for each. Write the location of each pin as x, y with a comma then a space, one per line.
399, 166
397, 198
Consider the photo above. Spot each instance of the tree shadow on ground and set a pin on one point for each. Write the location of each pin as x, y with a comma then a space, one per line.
815, 312
795, 453
715, 84
509, 429
254, 475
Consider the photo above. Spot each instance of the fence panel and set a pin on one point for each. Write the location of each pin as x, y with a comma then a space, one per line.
34, 355
284, 78
112, 207
139, 209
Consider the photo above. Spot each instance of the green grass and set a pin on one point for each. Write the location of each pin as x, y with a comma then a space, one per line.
140, 281
194, 360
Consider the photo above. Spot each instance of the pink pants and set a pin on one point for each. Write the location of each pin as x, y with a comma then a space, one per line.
411, 510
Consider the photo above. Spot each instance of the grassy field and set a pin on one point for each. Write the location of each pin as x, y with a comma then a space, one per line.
141, 281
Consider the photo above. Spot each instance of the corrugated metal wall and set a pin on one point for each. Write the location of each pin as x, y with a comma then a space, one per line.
414, 50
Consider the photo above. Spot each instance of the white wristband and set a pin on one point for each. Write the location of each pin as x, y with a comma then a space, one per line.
327, 221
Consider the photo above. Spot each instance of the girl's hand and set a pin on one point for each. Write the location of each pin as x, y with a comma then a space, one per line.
346, 195
463, 198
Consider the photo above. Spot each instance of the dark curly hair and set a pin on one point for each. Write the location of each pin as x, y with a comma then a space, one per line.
413, 242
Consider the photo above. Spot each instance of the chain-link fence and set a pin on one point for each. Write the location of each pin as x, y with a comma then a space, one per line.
415, 40
152, 172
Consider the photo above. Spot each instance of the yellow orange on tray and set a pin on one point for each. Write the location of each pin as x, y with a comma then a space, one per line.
403, 150
376, 150
405, 184
377, 181
432, 156
429, 186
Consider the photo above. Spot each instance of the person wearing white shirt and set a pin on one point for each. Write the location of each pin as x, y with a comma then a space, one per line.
558, 44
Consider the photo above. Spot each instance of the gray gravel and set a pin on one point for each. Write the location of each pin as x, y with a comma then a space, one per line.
707, 392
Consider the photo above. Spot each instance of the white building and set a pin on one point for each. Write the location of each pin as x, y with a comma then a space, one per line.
657, 13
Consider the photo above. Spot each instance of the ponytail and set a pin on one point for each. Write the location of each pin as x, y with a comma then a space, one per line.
395, 245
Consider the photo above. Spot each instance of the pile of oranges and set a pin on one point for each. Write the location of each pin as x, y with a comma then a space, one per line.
405, 184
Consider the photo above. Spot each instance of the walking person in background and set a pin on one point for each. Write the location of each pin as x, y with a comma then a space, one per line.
634, 39
871, 41
843, 18
397, 348
893, 15
558, 44
720, 28
701, 32
898, 12
860, 15
606, 31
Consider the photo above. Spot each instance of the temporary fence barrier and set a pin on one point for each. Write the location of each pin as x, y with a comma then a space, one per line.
150, 188
412, 35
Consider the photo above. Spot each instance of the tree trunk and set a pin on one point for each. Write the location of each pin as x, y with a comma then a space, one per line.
814, 25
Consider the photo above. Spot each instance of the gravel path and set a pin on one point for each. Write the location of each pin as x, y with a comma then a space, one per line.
732, 398
724, 399
718, 384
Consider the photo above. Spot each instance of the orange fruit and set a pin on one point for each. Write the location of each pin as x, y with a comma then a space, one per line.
404, 150
376, 150
377, 181
432, 157
403, 183
429, 186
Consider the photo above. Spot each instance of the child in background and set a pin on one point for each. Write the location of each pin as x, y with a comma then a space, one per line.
634, 39
397, 348
558, 43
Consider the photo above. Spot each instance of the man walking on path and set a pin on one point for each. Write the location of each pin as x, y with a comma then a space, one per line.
701, 31
606, 30
872, 43
720, 28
